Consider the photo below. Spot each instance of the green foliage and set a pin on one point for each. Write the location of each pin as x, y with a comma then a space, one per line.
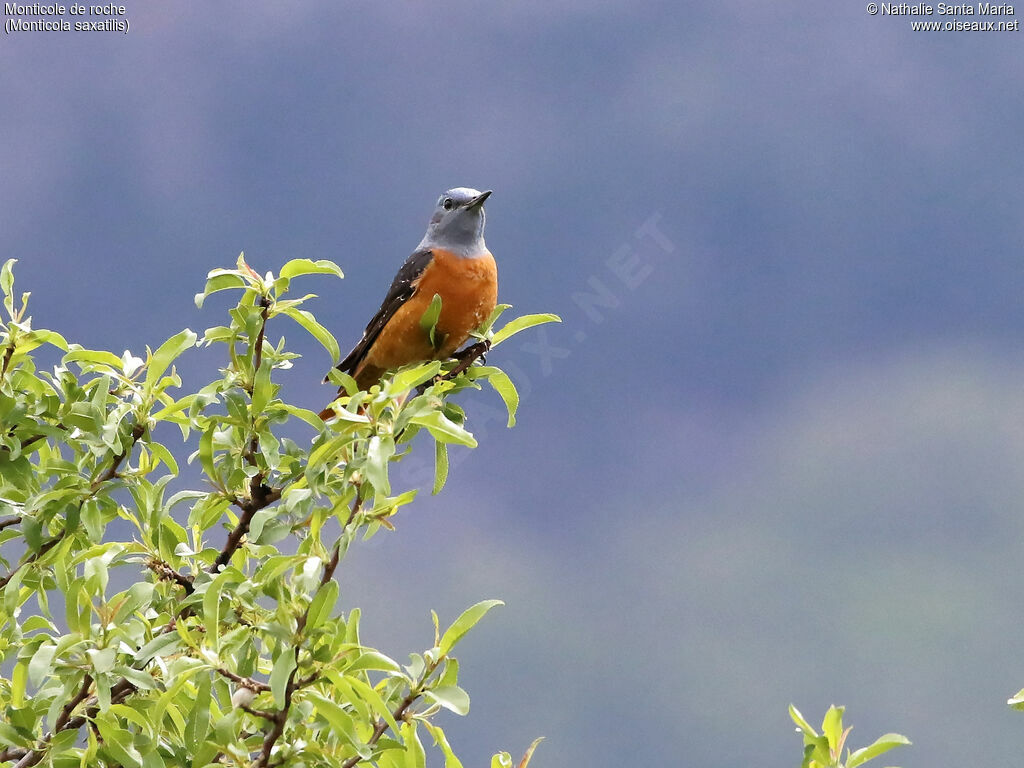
825, 750
227, 647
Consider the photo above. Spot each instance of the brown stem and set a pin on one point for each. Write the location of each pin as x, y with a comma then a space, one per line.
109, 474
164, 571
7, 522
280, 717
82, 695
246, 682
381, 726
260, 495
123, 688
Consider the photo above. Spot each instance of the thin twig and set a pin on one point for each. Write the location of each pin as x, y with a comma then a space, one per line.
260, 495
280, 718
245, 682
82, 695
164, 571
7, 522
381, 726
123, 688
109, 474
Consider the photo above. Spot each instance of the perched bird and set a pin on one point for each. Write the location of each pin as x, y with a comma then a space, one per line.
451, 261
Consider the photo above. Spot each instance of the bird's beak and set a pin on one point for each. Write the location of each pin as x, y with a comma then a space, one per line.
477, 201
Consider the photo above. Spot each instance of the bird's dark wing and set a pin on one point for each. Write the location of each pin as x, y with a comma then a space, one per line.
402, 287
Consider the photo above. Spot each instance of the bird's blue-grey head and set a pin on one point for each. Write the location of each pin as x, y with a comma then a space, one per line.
458, 223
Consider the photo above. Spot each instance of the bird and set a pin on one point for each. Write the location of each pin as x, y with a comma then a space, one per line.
451, 261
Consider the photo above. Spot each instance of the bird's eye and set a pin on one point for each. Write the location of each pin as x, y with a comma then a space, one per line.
447, 204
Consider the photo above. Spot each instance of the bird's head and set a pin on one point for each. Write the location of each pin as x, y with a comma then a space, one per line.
458, 223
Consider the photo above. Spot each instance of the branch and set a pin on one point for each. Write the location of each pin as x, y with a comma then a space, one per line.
31, 559
280, 718
109, 474
7, 522
260, 495
164, 571
398, 714
246, 682
117, 694
82, 695
467, 357
137, 432
123, 688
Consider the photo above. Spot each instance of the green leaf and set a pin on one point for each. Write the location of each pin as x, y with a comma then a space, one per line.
801, 723
160, 452
33, 339
521, 324
317, 331
428, 320
39, 667
96, 357
378, 455
262, 389
444, 429
206, 451
219, 280
415, 756
440, 466
19, 681
211, 608
450, 697
881, 745
280, 674
832, 726
102, 659
506, 390
374, 699
168, 641
497, 312
374, 660
341, 722
297, 267
7, 276
1017, 700
403, 381
118, 742
199, 716
166, 354
464, 623
322, 605
450, 760
308, 416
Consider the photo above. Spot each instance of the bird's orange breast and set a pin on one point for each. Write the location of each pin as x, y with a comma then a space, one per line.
469, 291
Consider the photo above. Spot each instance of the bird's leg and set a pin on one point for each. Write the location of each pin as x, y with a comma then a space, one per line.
466, 357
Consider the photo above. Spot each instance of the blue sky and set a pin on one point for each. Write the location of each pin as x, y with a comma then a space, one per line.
783, 464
